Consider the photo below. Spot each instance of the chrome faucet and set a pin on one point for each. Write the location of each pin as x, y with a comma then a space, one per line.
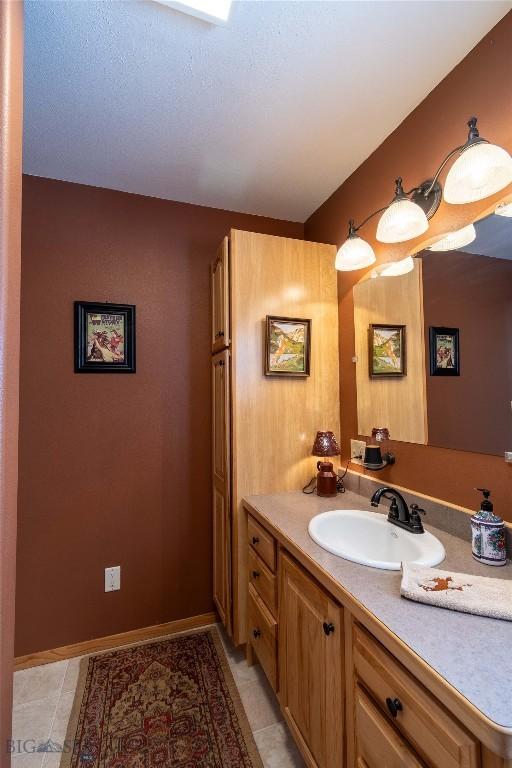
399, 513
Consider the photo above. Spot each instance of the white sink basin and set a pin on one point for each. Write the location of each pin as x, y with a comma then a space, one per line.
368, 538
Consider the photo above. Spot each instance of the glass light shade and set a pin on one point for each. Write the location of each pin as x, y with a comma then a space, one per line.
355, 253
480, 171
402, 221
504, 209
397, 268
453, 240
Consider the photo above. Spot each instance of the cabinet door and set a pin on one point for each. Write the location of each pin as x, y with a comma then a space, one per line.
220, 298
310, 661
221, 487
377, 743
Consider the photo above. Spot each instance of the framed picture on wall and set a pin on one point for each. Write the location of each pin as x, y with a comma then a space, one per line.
287, 346
444, 351
387, 353
104, 337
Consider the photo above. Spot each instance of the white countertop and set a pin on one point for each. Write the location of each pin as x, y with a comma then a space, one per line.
472, 653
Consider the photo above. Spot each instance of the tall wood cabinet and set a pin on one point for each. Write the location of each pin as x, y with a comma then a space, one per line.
264, 427
221, 486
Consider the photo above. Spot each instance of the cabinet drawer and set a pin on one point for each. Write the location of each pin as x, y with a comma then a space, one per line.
262, 542
263, 636
425, 723
263, 580
377, 742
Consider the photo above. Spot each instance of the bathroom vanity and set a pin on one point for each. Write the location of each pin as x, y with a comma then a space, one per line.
365, 678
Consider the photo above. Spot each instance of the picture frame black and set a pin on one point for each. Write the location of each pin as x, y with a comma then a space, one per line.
439, 335
106, 355
376, 368
286, 370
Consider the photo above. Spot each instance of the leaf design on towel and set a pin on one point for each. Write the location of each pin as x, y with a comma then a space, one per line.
442, 585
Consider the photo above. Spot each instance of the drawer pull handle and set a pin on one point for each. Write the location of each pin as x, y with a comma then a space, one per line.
328, 628
394, 706
255, 540
255, 574
256, 633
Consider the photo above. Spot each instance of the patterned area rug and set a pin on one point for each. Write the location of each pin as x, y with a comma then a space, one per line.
172, 703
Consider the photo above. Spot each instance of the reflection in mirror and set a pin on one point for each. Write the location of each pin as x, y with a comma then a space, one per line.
456, 307
470, 289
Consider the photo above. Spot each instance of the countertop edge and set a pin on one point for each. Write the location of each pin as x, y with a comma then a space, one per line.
496, 737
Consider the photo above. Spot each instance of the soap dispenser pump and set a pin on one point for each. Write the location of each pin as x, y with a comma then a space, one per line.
488, 533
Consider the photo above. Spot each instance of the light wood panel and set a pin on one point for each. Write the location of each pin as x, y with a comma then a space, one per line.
221, 461
275, 419
400, 404
311, 679
113, 641
220, 298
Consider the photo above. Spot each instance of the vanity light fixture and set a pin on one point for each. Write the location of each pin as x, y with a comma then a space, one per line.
451, 241
402, 220
504, 209
355, 253
481, 169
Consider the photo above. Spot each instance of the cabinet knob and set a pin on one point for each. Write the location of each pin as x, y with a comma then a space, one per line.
394, 706
255, 574
328, 628
256, 633
219, 334
255, 540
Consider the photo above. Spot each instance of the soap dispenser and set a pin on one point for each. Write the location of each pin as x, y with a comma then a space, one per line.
488, 534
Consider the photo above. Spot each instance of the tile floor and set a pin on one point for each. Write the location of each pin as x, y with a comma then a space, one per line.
43, 697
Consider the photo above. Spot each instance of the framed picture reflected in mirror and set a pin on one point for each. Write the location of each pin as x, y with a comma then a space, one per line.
444, 351
387, 353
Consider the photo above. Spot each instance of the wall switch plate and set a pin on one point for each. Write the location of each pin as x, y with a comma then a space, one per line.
113, 578
357, 449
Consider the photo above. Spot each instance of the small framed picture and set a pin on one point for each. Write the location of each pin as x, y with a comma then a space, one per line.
387, 353
104, 338
444, 352
287, 346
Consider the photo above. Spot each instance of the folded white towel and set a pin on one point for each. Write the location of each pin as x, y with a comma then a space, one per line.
458, 591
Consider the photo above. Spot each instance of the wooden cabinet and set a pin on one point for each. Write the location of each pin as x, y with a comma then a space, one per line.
388, 699
263, 636
262, 600
310, 660
221, 487
252, 275
220, 298
377, 743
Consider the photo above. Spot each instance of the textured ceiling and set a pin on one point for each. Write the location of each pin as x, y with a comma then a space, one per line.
267, 115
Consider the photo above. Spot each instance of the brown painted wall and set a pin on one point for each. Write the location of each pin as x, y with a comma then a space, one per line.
417, 146
471, 412
11, 130
115, 469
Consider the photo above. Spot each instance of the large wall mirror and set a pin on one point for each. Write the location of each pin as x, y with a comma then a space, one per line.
456, 307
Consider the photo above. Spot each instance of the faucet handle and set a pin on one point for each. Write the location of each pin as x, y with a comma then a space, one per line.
415, 519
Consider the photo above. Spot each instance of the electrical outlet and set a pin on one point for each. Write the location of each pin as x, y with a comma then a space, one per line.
113, 578
357, 449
